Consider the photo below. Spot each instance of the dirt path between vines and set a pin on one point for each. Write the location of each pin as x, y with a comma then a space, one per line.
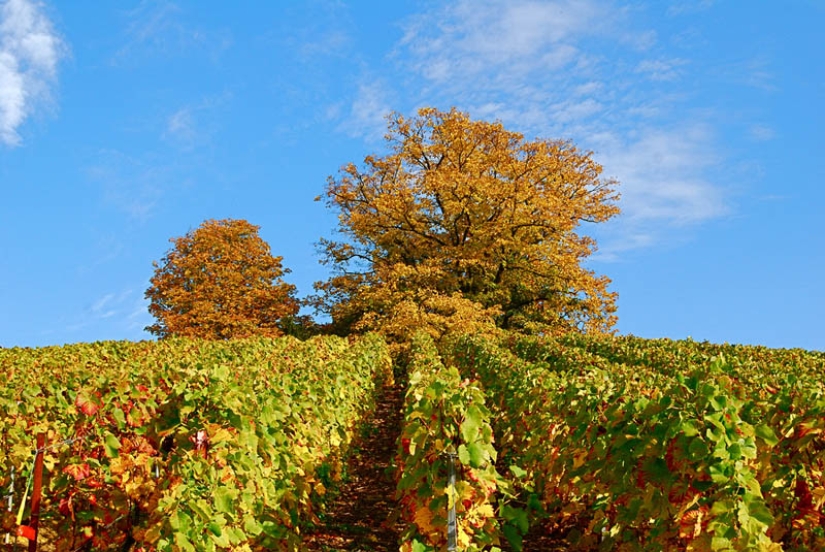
357, 518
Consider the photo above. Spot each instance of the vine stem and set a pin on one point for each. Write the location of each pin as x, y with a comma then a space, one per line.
36, 492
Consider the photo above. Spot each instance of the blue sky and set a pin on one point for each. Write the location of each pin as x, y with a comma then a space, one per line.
123, 124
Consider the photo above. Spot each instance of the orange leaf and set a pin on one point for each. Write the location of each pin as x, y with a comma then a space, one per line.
78, 471
26, 532
86, 405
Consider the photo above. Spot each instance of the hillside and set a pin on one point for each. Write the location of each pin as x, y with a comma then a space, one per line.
589, 443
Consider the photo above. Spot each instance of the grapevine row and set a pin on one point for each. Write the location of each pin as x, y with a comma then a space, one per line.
687, 461
445, 422
185, 445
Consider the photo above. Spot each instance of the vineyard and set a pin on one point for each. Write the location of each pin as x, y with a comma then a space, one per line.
581, 443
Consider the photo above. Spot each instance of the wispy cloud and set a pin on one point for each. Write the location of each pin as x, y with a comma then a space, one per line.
137, 183
755, 72
540, 67
685, 7
611, 249
661, 70
109, 248
138, 316
761, 133
159, 26
662, 174
152, 19
500, 46
131, 185
333, 43
368, 111
103, 307
30, 52
664, 184
190, 126
181, 125
113, 313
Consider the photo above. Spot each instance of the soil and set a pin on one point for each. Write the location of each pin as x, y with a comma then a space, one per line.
359, 517
544, 537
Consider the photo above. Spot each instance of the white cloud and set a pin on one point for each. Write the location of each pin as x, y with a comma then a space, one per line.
665, 186
368, 112
761, 133
757, 75
138, 318
133, 186
194, 124
30, 51
104, 307
662, 174
533, 61
755, 72
181, 124
684, 7
139, 184
572, 111
507, 32
496, 45
661, 70
158, 26
584, 71
612, 249
151, 19
112, 313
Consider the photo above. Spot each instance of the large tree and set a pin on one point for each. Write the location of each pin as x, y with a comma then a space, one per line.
464, 224
220, 281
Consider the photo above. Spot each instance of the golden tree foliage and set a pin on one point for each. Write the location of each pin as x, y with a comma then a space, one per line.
220, 281
466, 225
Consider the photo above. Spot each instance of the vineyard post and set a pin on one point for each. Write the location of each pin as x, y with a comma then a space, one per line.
451, 521
36, 492
11, 500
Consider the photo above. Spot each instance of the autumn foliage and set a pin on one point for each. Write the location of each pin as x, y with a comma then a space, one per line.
465, 226
220, 281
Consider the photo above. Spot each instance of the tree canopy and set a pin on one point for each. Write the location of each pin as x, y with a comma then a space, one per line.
220, 281
466, 225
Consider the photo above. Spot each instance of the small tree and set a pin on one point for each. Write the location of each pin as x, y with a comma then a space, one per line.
220, 281
464, 225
